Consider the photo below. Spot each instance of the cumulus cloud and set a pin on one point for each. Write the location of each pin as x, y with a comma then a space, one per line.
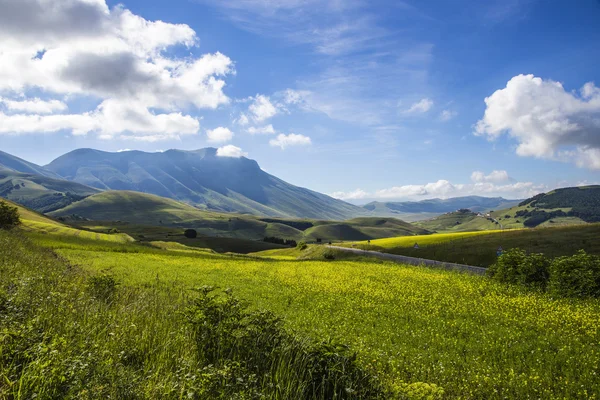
447, 115
219, 135
261, 130
35, 105
546, 120
445, 189
292, 139
231, 151
261, 108
84, 48
420, 107
352, 195
494, 177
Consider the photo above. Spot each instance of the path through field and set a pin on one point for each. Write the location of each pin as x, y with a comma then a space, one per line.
415, 261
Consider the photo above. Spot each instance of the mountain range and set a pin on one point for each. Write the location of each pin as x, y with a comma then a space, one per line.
200, 178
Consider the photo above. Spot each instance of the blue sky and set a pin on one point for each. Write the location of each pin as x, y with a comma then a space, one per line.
362, 100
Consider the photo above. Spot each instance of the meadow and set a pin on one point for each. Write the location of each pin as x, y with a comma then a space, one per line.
472, 337
479, 248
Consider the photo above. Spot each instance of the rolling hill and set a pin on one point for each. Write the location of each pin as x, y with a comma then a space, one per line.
462, 220
201, 178
566, 206
39, 192
140, 213
425, 209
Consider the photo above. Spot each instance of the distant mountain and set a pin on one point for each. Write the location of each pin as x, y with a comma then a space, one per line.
424, 209
200, 178
16, 164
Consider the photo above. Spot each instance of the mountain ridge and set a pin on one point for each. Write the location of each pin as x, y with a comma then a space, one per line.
201, 178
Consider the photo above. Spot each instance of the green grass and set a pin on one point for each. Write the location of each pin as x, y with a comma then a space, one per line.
467, 221
479, 248
471, 336
135, 213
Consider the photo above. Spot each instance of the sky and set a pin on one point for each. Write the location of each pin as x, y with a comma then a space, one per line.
361, 100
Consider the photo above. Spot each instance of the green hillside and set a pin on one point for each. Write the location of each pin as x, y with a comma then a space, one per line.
479, 248
41, 193
459, 221
136, 213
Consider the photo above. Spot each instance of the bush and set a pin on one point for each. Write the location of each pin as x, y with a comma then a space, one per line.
102, 287
9, 216
253, 348
517, 267
190, 233
575, 276
329, 256
302, 246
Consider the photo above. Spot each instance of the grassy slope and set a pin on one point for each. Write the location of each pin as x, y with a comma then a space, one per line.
146, 210
471, 336
479, 248
448, 223
38, 192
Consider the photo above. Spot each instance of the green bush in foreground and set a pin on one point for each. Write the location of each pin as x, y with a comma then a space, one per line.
9, 216
568, 276
517, 267
575, 276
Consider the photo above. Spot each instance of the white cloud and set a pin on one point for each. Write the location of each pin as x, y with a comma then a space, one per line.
547, 121
261, 130
230, 151
352, 195
445, 189
292, 139
420, 107
35, 105
494, 177
219, 135
83, 48
261, 108
447, 115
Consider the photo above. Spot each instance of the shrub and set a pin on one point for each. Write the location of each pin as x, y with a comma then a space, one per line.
9, 216
253, 348
575, 276
329, 256
302, 246
102, 287
517, 267
190, 233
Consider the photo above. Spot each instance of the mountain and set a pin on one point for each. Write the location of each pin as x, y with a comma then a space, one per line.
200, 178
16, 164
424, 209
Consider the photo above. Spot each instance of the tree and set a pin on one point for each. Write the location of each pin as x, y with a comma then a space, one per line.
9, 216
190, 233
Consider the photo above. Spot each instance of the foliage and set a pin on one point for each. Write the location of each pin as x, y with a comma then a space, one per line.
9, 216
102, 287
190, 233
584, 202
302, 246
517, 267
283, 242
575, 276
226, 333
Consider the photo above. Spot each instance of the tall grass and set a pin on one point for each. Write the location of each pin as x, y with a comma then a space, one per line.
67, 333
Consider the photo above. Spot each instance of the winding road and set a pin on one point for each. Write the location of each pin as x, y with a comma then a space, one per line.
415, 261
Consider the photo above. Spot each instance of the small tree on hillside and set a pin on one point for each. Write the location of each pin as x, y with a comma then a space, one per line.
190, 233
9, 216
